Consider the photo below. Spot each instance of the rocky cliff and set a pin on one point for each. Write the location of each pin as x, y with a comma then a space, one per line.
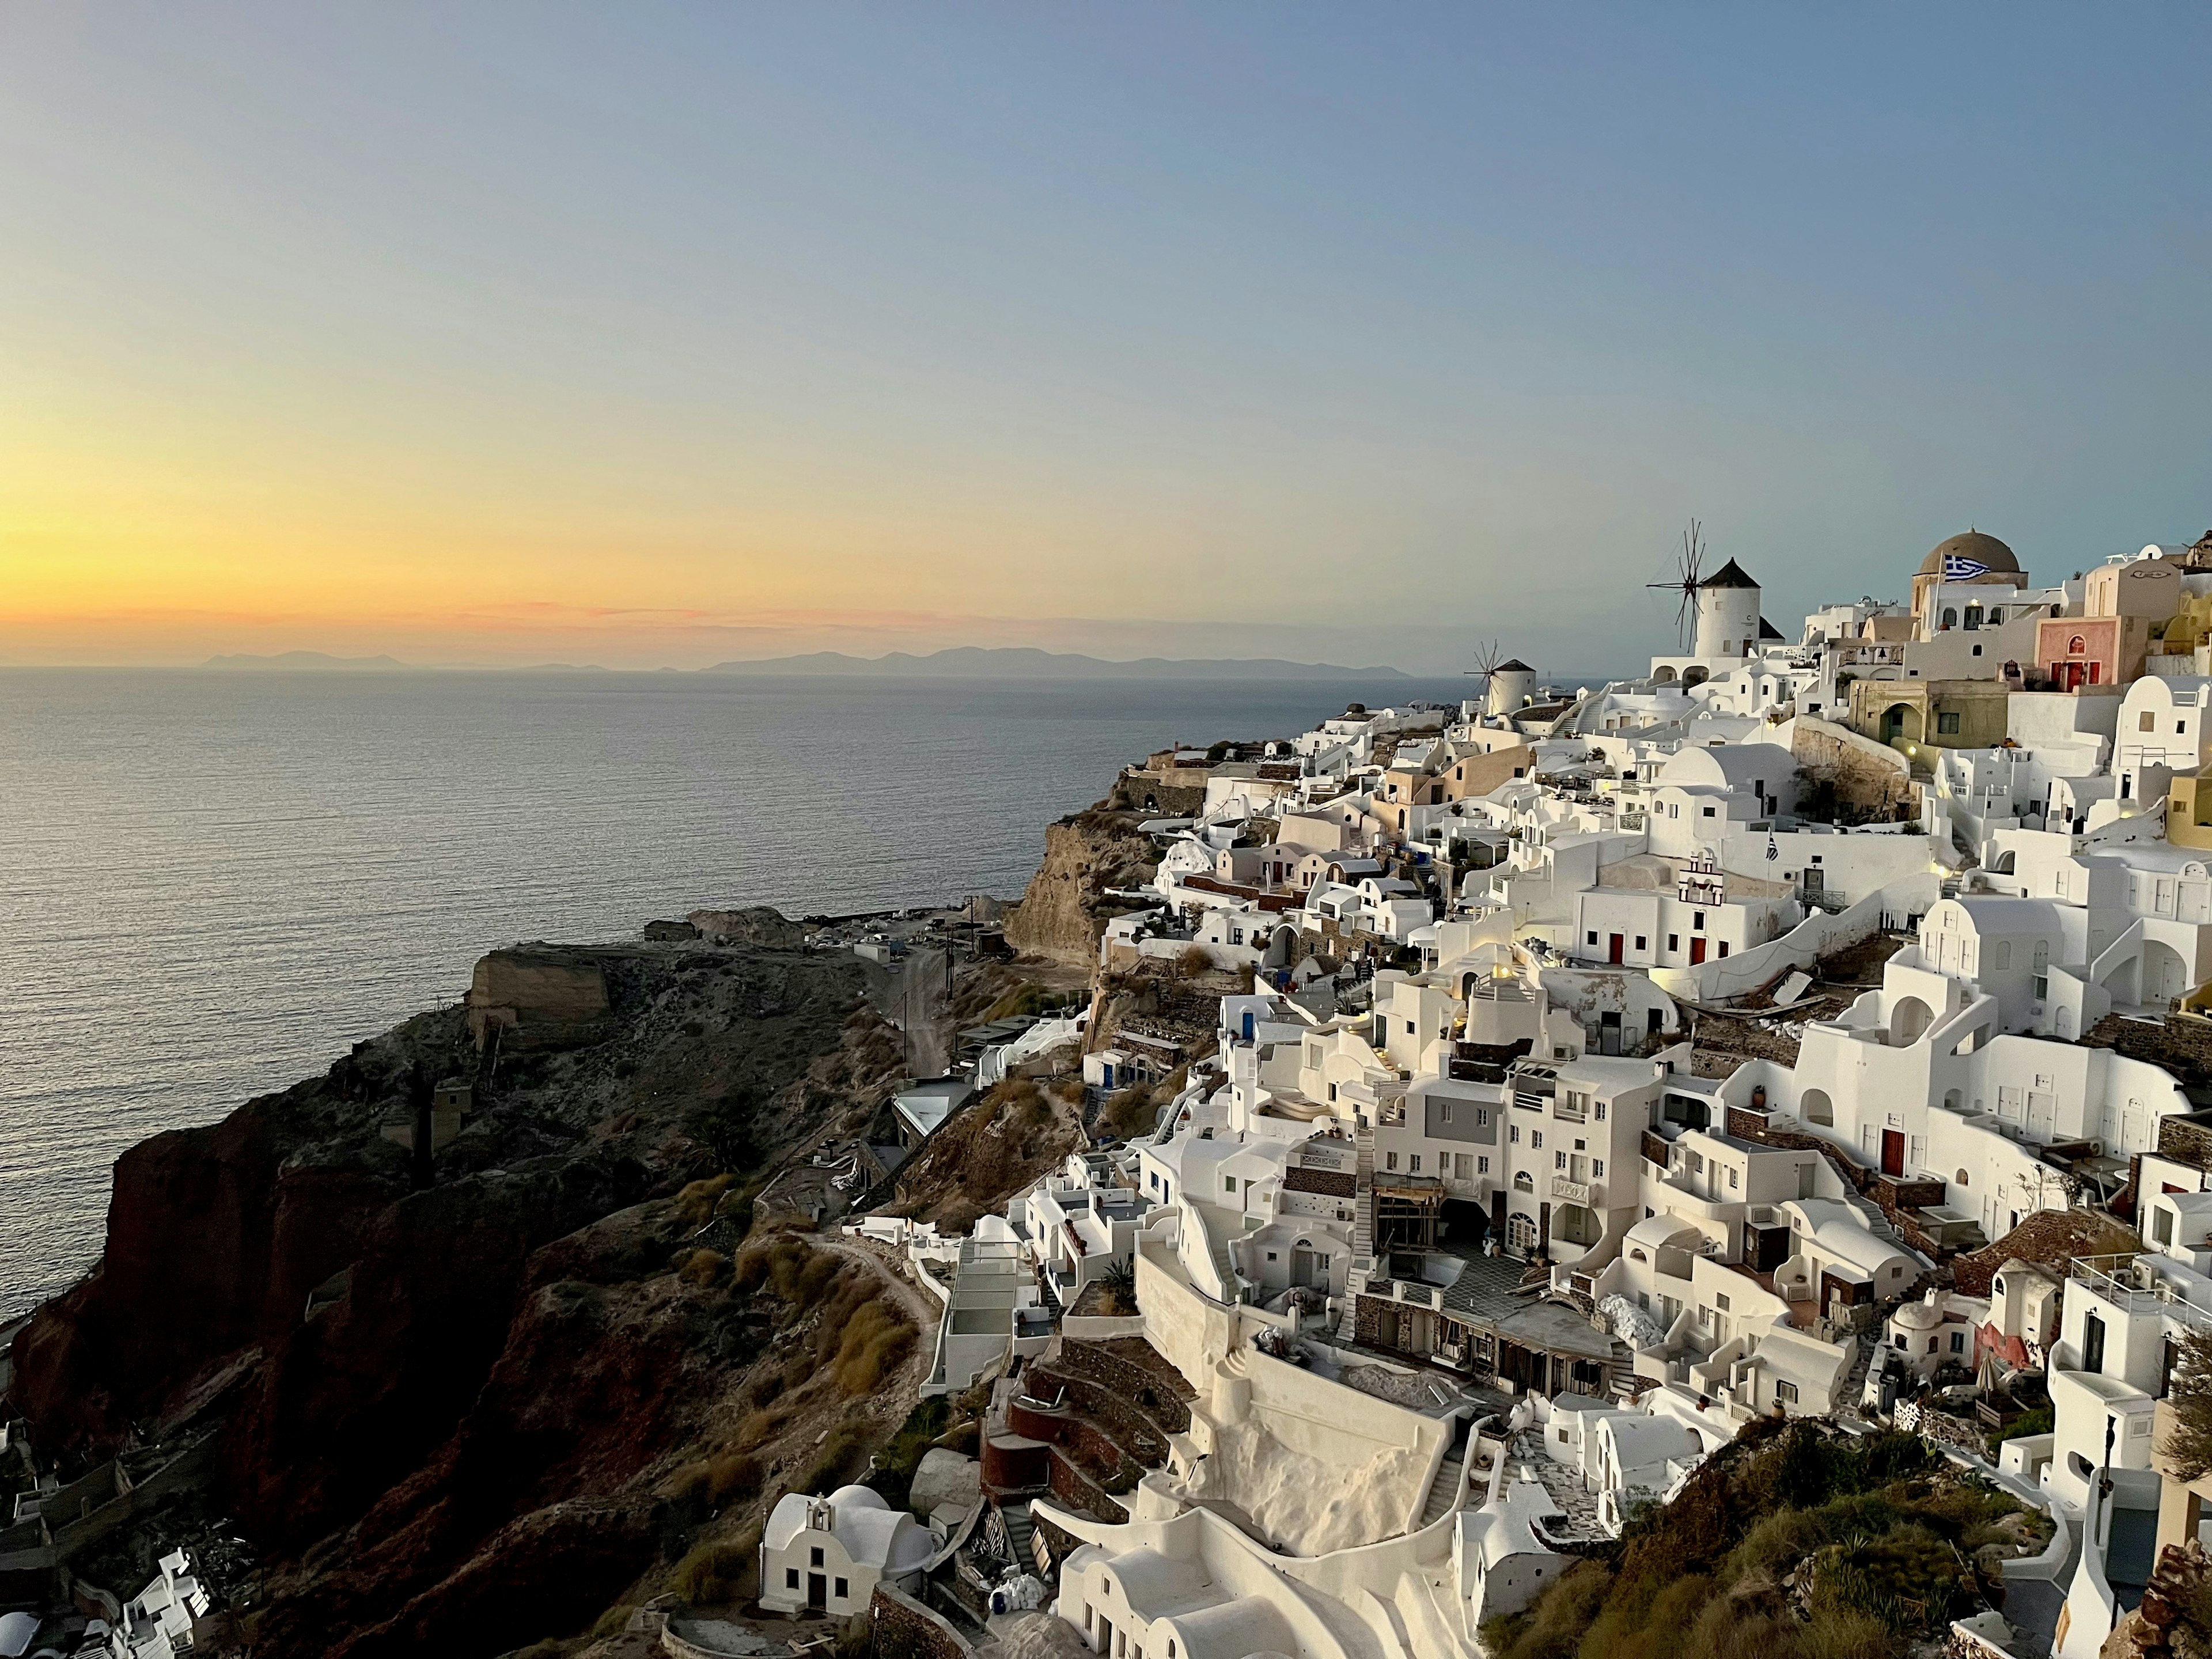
443, 1449
1065, 908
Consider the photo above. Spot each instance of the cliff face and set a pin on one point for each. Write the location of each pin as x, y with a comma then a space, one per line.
1065, 909
498, 1344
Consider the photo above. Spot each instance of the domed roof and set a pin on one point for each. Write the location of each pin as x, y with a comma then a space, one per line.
1986, 550
857, 1498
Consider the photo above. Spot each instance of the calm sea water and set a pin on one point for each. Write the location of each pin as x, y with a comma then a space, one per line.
212, 885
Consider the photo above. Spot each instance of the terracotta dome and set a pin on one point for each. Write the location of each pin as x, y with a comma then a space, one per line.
1983, 550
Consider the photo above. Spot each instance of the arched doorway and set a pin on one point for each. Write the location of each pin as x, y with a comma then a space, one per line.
2165, 975
1900, 723
1694, 677
1909, 1021
1519, 1234
1817, 1108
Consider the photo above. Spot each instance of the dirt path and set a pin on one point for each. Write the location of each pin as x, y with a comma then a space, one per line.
916, 1001
927, 1312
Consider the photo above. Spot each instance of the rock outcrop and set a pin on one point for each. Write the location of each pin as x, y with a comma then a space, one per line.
440, 1452
755, 925
1064, 909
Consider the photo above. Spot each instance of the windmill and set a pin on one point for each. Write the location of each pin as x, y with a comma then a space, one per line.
1486, 665
1687, 572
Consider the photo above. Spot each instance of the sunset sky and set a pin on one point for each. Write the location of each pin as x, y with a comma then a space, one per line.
655, 334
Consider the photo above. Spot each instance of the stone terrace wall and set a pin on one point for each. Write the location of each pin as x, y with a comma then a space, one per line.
904, 1628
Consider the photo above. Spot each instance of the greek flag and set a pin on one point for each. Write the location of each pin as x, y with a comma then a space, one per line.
1957, 567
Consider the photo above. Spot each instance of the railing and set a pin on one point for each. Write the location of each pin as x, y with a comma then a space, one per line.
1570, 1192
2134, 1283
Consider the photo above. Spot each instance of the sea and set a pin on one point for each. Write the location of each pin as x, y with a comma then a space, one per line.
213, 883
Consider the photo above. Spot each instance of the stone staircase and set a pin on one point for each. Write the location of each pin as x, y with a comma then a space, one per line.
1443, 1493
1362, 1236
1021, 1535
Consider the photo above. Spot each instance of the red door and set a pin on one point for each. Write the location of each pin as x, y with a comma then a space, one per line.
1893, 1152
1696, 949
1613, 948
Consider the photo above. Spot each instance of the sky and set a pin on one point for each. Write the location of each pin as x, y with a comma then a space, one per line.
658, 334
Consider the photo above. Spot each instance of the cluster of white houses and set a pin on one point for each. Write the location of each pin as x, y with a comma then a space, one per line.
1466, 1240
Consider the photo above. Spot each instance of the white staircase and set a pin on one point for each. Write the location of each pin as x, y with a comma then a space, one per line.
1444, 1492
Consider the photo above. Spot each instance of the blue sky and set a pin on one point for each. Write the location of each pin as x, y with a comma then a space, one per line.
664, 334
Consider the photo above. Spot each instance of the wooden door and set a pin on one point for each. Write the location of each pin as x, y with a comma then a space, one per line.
1613, 950
1893, 1152
1696, 949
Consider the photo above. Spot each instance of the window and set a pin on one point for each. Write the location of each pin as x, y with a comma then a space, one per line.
1600, 1108
1946, 726
1513, 1135
1559, 1160
1708, 811
1958, 1342
1721, 1300
2148, 722
1724, 947
1482, 1117
1785, 1394
791, 1579
1731, 1177
1229, 1183
1416, 1167
816, 1559
1673, 941
2092, 1343
839, 1589
1390, 1160
1409, 1028
1697, 921
1590, 939
1536, 1139
2161, 1227
1597, 1169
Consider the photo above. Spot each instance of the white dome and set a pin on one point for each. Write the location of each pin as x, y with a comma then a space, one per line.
859, 1497
16, 1630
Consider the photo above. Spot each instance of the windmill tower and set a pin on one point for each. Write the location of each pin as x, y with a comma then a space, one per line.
1505, 685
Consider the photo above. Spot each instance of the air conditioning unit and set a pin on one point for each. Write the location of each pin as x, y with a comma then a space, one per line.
2096, 1149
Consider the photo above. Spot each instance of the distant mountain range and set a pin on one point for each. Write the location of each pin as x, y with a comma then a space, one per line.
1024, 663
302, 659
962, 662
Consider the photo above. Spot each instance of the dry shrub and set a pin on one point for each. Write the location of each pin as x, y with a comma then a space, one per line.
786, 1269
759, 1428
715, 1573
875, 1342
702, 1268
731, 1476
1195, 961
696, 1203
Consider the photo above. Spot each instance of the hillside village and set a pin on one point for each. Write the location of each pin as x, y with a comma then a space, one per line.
1384, 1188
1809, 1029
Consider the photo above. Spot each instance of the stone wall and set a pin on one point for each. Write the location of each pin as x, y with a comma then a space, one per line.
1149, 1392
900, 1627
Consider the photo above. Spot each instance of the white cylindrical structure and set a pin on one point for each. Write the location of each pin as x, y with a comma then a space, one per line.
1727, 614
1511, 684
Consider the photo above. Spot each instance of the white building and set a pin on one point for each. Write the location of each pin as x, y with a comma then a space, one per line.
828, 1555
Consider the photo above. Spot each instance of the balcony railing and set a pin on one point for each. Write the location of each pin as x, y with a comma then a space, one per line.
2134, 1282
1571, 1192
